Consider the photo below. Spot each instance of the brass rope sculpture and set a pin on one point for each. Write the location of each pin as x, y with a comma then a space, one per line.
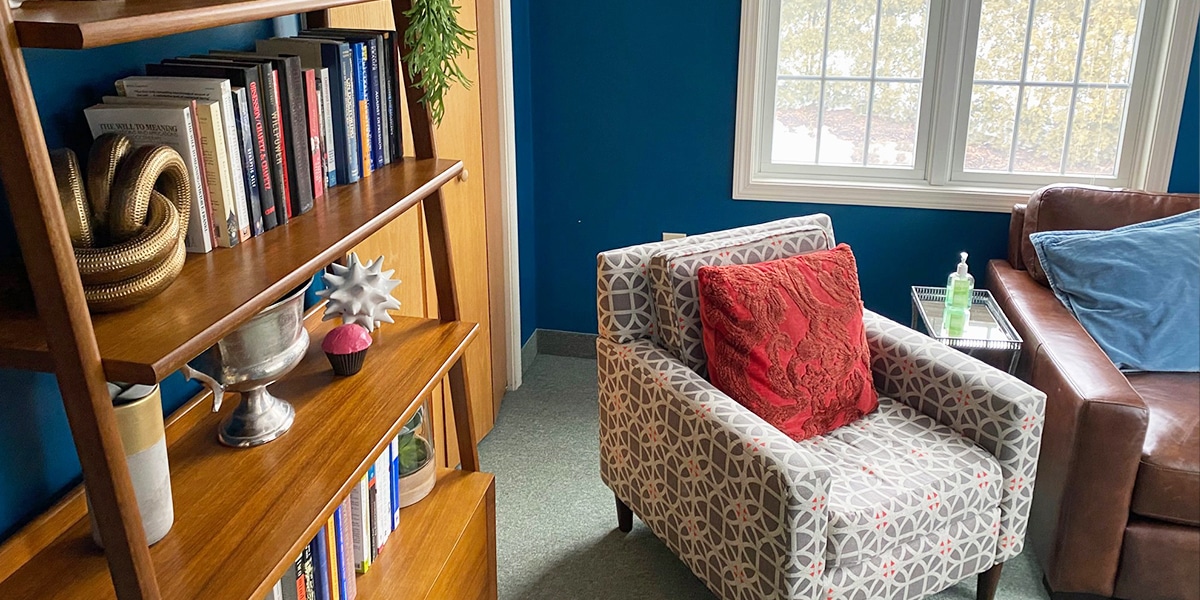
128, 228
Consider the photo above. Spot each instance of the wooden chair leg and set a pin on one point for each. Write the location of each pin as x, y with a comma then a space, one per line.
989, 580
624, 516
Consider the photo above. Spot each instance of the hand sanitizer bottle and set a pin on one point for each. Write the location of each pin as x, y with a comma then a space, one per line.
959, 286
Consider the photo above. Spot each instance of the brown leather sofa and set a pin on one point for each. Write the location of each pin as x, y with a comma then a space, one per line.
1116, 509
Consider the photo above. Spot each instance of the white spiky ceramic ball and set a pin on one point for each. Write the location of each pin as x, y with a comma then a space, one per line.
360, 293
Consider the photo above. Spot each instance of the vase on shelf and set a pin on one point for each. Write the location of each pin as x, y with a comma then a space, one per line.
418, 469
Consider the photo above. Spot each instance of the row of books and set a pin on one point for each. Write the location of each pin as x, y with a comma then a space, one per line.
351, 540
265, 132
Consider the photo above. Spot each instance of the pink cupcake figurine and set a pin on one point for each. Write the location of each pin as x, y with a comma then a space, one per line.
346, 346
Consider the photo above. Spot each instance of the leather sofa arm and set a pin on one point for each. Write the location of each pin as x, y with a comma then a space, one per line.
1095, 427
683, 456
1016, 224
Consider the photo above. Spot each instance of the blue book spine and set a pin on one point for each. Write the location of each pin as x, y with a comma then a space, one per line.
332, 59
249, 164
362, 101
339, 544
349, 116
320, 548
375, 100
395, 450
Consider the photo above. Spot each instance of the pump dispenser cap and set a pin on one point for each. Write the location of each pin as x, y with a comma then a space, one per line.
962, 265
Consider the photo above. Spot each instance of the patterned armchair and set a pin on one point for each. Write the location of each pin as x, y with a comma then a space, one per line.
929, 489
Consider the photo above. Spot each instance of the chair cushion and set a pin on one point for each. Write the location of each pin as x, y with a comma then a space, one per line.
898, 474
1168, 477
785, 338
673, 273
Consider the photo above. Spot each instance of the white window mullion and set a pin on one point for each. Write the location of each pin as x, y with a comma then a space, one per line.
952, 55
1087, 8
1012, 149
821, 94
871, 88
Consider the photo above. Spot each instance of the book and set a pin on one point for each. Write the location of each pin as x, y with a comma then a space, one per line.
276, 592
319, 549
346, 552
328, 148
360, 525
265, 146
332, 572
308, 563
374, 73
173, 126
389, 82
241, 113
294, 115
383, 498
373, 511
209, 90
395, 455
219, 187
337, 57
313, 121
291, 584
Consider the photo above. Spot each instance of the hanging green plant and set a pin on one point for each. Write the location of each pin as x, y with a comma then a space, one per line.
436, 40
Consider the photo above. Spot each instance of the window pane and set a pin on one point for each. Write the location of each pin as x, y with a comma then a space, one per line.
851, 38
1054, 40
1108, 46
795, 127
844, 130
801, 37
894, 116
901, 39
1096, 132
990, 129
1042, 132
1002, 26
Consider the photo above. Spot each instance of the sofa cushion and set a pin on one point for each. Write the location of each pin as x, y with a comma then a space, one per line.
1168, 477
1057, 207
785, 338
897, 474
1134, 289
673, 272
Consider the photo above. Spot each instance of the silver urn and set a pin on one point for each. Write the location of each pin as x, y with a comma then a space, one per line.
257, 354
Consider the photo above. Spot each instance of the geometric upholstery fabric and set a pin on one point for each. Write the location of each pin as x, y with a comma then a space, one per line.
674, 277
624, 300
898, 474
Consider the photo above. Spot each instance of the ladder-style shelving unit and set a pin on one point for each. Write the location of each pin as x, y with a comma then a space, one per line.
241, 515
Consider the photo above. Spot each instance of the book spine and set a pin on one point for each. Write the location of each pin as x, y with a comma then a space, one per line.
329, 149
292, 82
313, 121
200, 238
283, 207
383, 498
360, 520
364, 113
233, 155
389, 81
217, 176
349, 583
245, 141
263, 157
397, 97
373, 512
332, 572
353, 163
395, 454
202, 174
375, 104
320, 554
288, 585
310, 573
277, 591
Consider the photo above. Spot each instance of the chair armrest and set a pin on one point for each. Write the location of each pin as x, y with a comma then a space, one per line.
1095, 427
997, 411
740, 502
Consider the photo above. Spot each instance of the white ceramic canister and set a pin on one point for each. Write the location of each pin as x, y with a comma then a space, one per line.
140, 421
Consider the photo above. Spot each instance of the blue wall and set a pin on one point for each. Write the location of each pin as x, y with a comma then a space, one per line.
632, 109
1185, 171
522, 101
37, 456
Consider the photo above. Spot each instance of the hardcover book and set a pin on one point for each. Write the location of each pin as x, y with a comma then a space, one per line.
383, 498
313, 121
360, 525
395, 454
241, 112
291, 584
162, 125
374, 88
308, 563
319, 549
332, 572
389, 82
346, 552
328, 147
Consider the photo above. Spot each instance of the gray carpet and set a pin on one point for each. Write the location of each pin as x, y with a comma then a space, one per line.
556, 521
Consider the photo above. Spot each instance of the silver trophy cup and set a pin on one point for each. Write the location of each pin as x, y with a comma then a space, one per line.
254, 356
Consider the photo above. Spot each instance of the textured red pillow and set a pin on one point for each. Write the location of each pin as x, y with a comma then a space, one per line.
785, 339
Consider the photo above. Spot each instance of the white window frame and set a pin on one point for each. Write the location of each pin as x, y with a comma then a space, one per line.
1153, 119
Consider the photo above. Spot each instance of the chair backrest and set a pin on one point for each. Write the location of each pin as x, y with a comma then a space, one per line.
1060, 207
649, 291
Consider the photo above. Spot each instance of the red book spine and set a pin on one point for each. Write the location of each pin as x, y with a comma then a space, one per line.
287, 188
314, 133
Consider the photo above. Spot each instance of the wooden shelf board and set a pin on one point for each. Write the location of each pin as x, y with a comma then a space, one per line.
218, 291
417, 554
242, 515
71, 24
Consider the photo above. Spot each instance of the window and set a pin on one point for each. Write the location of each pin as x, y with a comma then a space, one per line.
956, 104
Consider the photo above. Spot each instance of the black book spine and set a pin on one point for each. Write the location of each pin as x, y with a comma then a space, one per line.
296, 113
393, 86
263, 157
310, 574
279, 167
376, 106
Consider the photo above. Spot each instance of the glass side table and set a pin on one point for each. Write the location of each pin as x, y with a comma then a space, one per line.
988, 336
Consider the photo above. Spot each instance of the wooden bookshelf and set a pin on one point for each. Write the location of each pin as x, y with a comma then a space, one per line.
218, 291
70, 24
243, 515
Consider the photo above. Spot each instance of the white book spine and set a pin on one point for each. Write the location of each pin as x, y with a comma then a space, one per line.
327, 142
359, 522
383, 502
220, 184
277, 591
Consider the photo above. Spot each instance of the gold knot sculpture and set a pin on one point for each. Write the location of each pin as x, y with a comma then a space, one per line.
128, 228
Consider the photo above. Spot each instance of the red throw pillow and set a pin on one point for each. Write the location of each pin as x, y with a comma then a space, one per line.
785, 339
